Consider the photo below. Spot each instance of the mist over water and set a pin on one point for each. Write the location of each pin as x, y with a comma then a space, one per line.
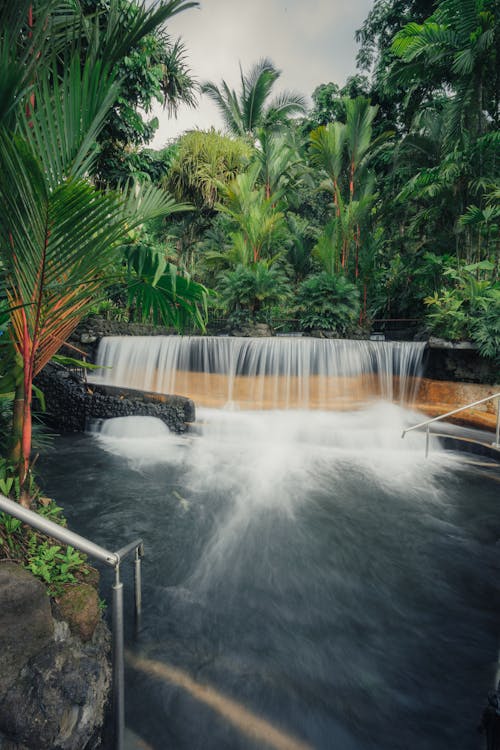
308, 564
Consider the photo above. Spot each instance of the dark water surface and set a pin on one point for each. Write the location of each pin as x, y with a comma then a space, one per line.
314, 568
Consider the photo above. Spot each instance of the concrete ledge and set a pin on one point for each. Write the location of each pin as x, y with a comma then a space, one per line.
436, 397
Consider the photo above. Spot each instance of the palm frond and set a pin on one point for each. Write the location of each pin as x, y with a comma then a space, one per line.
70, 112
227, 104
256, 88
124, 30
327, 148
144, 202
160, 294
286, 104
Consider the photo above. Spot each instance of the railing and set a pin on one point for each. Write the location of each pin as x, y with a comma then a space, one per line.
113, 559
427, 422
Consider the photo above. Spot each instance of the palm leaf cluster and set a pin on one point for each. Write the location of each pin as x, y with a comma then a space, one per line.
244, 112
456, 42
58, 233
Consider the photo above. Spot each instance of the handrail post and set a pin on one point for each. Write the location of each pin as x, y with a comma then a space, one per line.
118, 662
139, 553
427, 441
496, 444
113, 559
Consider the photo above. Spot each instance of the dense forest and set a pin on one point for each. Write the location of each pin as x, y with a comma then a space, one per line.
381, 201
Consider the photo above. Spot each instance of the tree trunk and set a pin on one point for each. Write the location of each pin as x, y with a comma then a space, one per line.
17, 424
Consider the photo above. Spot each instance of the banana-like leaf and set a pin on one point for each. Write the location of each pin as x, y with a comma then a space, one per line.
167, 298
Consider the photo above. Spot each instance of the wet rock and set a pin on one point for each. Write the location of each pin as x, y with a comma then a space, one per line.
436, 343
459, 364
253, 330
70, 403
88, 338
59, 699
54, 687
26, 624
79, 606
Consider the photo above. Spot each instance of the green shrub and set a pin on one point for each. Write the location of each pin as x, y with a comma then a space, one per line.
328, 302
247, 291
448, 314
485, 325
53, 564
468, 311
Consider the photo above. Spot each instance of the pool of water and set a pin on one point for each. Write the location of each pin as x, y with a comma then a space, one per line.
310, 580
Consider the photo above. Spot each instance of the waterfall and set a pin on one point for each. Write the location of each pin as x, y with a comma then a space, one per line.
263, 373
305, 565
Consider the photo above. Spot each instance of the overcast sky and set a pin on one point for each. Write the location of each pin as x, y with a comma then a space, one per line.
310, 41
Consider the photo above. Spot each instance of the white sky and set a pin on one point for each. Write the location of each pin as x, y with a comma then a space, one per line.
310, 41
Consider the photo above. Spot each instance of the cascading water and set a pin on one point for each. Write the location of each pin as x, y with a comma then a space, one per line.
311, 581
263, 373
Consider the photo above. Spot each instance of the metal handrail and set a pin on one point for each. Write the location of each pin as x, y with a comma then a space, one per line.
113, 559
427, 422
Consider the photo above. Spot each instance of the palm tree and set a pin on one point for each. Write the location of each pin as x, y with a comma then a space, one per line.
58, 233
280, 162
243, 113
342, 152
358, 135
256, 217
327, 151
458, 44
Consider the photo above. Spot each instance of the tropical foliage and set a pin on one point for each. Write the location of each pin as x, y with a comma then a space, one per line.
389, 183
380, 202
328, 302
59, 234
252, 108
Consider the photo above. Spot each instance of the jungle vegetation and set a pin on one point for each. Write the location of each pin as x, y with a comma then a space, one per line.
379, 201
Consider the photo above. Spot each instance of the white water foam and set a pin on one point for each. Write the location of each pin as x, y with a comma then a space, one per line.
264, 447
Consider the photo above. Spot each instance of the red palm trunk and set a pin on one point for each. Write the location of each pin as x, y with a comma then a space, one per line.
357, 250
27, 422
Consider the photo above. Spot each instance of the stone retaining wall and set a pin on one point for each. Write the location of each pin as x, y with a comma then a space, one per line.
70, 403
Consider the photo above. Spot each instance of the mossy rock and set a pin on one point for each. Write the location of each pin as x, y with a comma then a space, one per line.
89, 575
79, 606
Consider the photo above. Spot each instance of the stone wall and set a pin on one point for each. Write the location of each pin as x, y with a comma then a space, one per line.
54, 681
459, 363
91, 330
71, 403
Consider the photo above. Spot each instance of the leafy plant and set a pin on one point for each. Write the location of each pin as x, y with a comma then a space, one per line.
8, 532
485, 325
9, 481
158, 293
447, 317
53, 564
469, 310
328, 303
252, 288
